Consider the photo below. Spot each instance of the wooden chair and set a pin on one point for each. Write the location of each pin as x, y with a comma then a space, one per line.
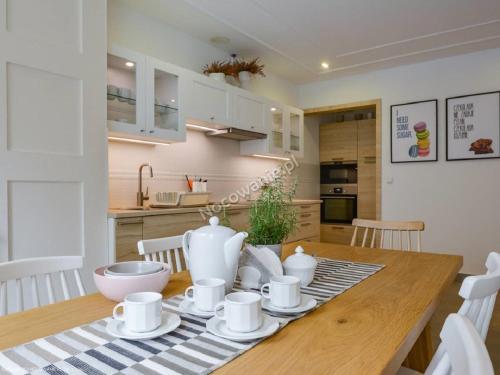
465, 352
31, 267
385, 231
154, 249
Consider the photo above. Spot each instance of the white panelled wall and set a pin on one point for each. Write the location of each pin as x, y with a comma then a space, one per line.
458, 200
52, 130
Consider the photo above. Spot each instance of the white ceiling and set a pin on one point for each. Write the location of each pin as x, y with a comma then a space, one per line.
293, 37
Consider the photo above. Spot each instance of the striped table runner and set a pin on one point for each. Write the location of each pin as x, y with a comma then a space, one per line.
188, 350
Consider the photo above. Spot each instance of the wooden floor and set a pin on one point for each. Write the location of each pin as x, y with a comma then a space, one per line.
450, 303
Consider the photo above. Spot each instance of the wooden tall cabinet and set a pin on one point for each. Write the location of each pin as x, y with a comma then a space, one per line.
338, 141
366, 169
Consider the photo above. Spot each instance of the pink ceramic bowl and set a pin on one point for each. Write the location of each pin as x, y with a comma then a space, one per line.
116, 288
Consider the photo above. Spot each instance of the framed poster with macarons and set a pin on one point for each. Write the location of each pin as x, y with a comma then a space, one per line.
414, 132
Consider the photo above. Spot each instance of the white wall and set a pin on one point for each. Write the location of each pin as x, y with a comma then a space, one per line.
459, 200
216, 159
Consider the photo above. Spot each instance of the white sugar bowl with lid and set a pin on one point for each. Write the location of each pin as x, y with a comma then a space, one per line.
300, 265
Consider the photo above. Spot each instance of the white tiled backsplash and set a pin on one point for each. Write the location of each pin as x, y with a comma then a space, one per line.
216, 160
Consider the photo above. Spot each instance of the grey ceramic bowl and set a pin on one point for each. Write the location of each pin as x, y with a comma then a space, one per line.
134, 268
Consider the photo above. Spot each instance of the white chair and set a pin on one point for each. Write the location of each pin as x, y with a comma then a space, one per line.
154, 249
386, 231
465, 352
479, 294
31, 267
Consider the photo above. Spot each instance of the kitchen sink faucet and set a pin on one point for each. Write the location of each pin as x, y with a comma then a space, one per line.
141, 197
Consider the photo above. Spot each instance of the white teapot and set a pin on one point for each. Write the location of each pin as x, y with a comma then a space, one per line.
213, 251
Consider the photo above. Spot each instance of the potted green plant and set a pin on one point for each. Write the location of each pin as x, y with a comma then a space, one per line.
217, 70
272, 217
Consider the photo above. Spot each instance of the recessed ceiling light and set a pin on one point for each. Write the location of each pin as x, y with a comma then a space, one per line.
325, 65
172, 100
273, 109
130, 64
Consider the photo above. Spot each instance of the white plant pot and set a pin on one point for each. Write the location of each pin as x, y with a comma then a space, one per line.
245, 77
218, 76
274, 248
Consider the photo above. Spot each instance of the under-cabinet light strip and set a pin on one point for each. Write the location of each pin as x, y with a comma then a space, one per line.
137, 141
270, 157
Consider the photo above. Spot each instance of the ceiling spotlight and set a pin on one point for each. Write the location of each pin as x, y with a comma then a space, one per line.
273, 109
172, 100
325, 65
130, 64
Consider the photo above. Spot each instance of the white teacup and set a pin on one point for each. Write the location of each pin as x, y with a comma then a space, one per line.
284, 291
242, 311
141, 311
206, 293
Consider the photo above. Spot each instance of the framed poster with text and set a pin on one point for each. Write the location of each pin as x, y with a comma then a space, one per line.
473, 126
414, 132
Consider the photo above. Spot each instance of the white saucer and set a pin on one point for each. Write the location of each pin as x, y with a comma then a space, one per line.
189, 308
218, 327
306, 303
169, 322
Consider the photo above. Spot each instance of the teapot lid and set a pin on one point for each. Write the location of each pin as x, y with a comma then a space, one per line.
215, 229
300, 260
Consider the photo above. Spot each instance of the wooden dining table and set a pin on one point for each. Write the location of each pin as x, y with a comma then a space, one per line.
372, 328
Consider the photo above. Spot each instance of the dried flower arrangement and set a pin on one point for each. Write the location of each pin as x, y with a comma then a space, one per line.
217, 67
253, 67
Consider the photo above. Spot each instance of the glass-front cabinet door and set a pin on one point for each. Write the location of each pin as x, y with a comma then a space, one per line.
166, 91
125, 88
296, 132
277, 135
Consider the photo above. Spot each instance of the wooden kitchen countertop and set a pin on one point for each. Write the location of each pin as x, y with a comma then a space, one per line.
123, 213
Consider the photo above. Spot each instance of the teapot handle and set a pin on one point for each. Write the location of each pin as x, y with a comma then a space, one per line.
185, 246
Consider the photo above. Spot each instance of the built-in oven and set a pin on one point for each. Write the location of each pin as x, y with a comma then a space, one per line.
336, 173
339, 203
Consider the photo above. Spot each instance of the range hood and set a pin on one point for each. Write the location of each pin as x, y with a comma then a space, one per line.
236, 134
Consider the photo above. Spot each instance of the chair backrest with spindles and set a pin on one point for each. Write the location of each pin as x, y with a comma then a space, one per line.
464, 351
18, 270
388, 234
479, 294
163, 250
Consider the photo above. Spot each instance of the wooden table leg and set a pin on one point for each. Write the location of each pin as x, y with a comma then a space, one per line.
420, 355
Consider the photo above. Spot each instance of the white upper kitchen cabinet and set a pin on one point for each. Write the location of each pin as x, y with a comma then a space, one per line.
146, 97
126, 92
166, 98
285, 133
295, 131
210, 102
250, 111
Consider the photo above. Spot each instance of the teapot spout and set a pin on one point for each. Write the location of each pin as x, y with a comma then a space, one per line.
232, 248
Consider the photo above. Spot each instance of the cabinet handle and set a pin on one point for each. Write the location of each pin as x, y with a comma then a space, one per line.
336, 228
337, 159
305, 224
151, 131
212, 118
305, 215
252, 127
143, 130
305, 207
130, 222
234, 213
